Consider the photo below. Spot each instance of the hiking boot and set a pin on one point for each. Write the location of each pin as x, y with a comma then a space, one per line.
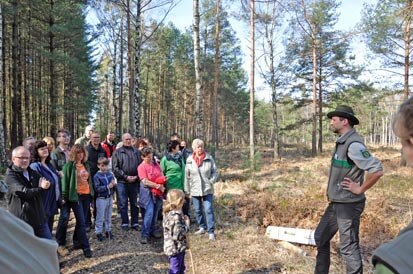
200, 231
100, 237
109, 235
144, 240
211, 236
87, 253
157, 234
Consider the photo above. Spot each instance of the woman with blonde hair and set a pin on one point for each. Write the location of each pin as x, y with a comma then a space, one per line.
200, 177
76, 195
51, 144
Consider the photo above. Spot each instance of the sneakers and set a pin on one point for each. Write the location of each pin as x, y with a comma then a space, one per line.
200, 231
144, 240
87, 253
211, 236
100, 237
109, 235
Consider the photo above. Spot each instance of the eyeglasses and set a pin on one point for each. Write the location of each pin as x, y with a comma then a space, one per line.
22, 158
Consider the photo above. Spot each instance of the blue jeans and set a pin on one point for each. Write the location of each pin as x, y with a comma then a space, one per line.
201, 204
151, 215
79, 235
128, 191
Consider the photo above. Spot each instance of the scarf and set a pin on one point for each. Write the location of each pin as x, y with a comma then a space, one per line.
199, 159
175, 158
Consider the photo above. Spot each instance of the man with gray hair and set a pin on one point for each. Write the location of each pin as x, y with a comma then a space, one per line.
84, 140
25, 192
125, 162
28, 142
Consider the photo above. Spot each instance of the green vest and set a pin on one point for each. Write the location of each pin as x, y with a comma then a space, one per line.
341, 167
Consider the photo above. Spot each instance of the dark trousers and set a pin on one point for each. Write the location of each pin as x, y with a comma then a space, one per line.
128, 191
177, 263
50, 222
344, 218
43, 231
85, 200
186, 207
79, 235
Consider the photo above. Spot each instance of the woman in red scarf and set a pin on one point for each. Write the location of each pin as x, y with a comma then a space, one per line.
200, 176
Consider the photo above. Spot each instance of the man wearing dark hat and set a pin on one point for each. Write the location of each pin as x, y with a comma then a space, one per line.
345, 192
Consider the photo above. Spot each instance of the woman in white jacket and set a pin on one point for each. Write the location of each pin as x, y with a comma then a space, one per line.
200, 176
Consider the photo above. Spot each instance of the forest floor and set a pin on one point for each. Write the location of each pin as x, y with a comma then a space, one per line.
289, 192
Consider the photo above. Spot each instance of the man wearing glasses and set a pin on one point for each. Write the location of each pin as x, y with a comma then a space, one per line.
24, 194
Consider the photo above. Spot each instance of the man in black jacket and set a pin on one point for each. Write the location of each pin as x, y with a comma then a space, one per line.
94, 151
25, 192
125, 161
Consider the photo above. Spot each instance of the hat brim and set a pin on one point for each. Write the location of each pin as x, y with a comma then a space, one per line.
344, 115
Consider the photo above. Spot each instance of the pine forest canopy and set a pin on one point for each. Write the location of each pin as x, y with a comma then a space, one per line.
131, 71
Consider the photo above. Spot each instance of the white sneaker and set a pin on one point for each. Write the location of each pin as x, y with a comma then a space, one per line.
200, 231
212, 236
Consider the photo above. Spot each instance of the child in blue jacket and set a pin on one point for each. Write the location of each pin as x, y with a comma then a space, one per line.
103, 181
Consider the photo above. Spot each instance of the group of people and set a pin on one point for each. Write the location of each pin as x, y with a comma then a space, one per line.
44, 180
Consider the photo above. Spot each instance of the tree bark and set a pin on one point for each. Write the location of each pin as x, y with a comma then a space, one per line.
215, 140
121, 53
3, 155
198, 81
138, 45
130, 71
52, 76
252, 87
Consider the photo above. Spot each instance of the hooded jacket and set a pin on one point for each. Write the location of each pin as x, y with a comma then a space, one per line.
25, 196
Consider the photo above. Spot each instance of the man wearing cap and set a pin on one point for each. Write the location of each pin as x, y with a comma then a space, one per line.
345, 192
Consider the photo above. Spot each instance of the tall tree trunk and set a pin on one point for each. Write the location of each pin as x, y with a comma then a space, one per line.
252, 84
198, 81
52, 79
407, 39
320, 112
314, 117
15, 137
121, 54
130, 71
275, 128
114, 90
3, 155
215, 140
407, 34
138, 45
